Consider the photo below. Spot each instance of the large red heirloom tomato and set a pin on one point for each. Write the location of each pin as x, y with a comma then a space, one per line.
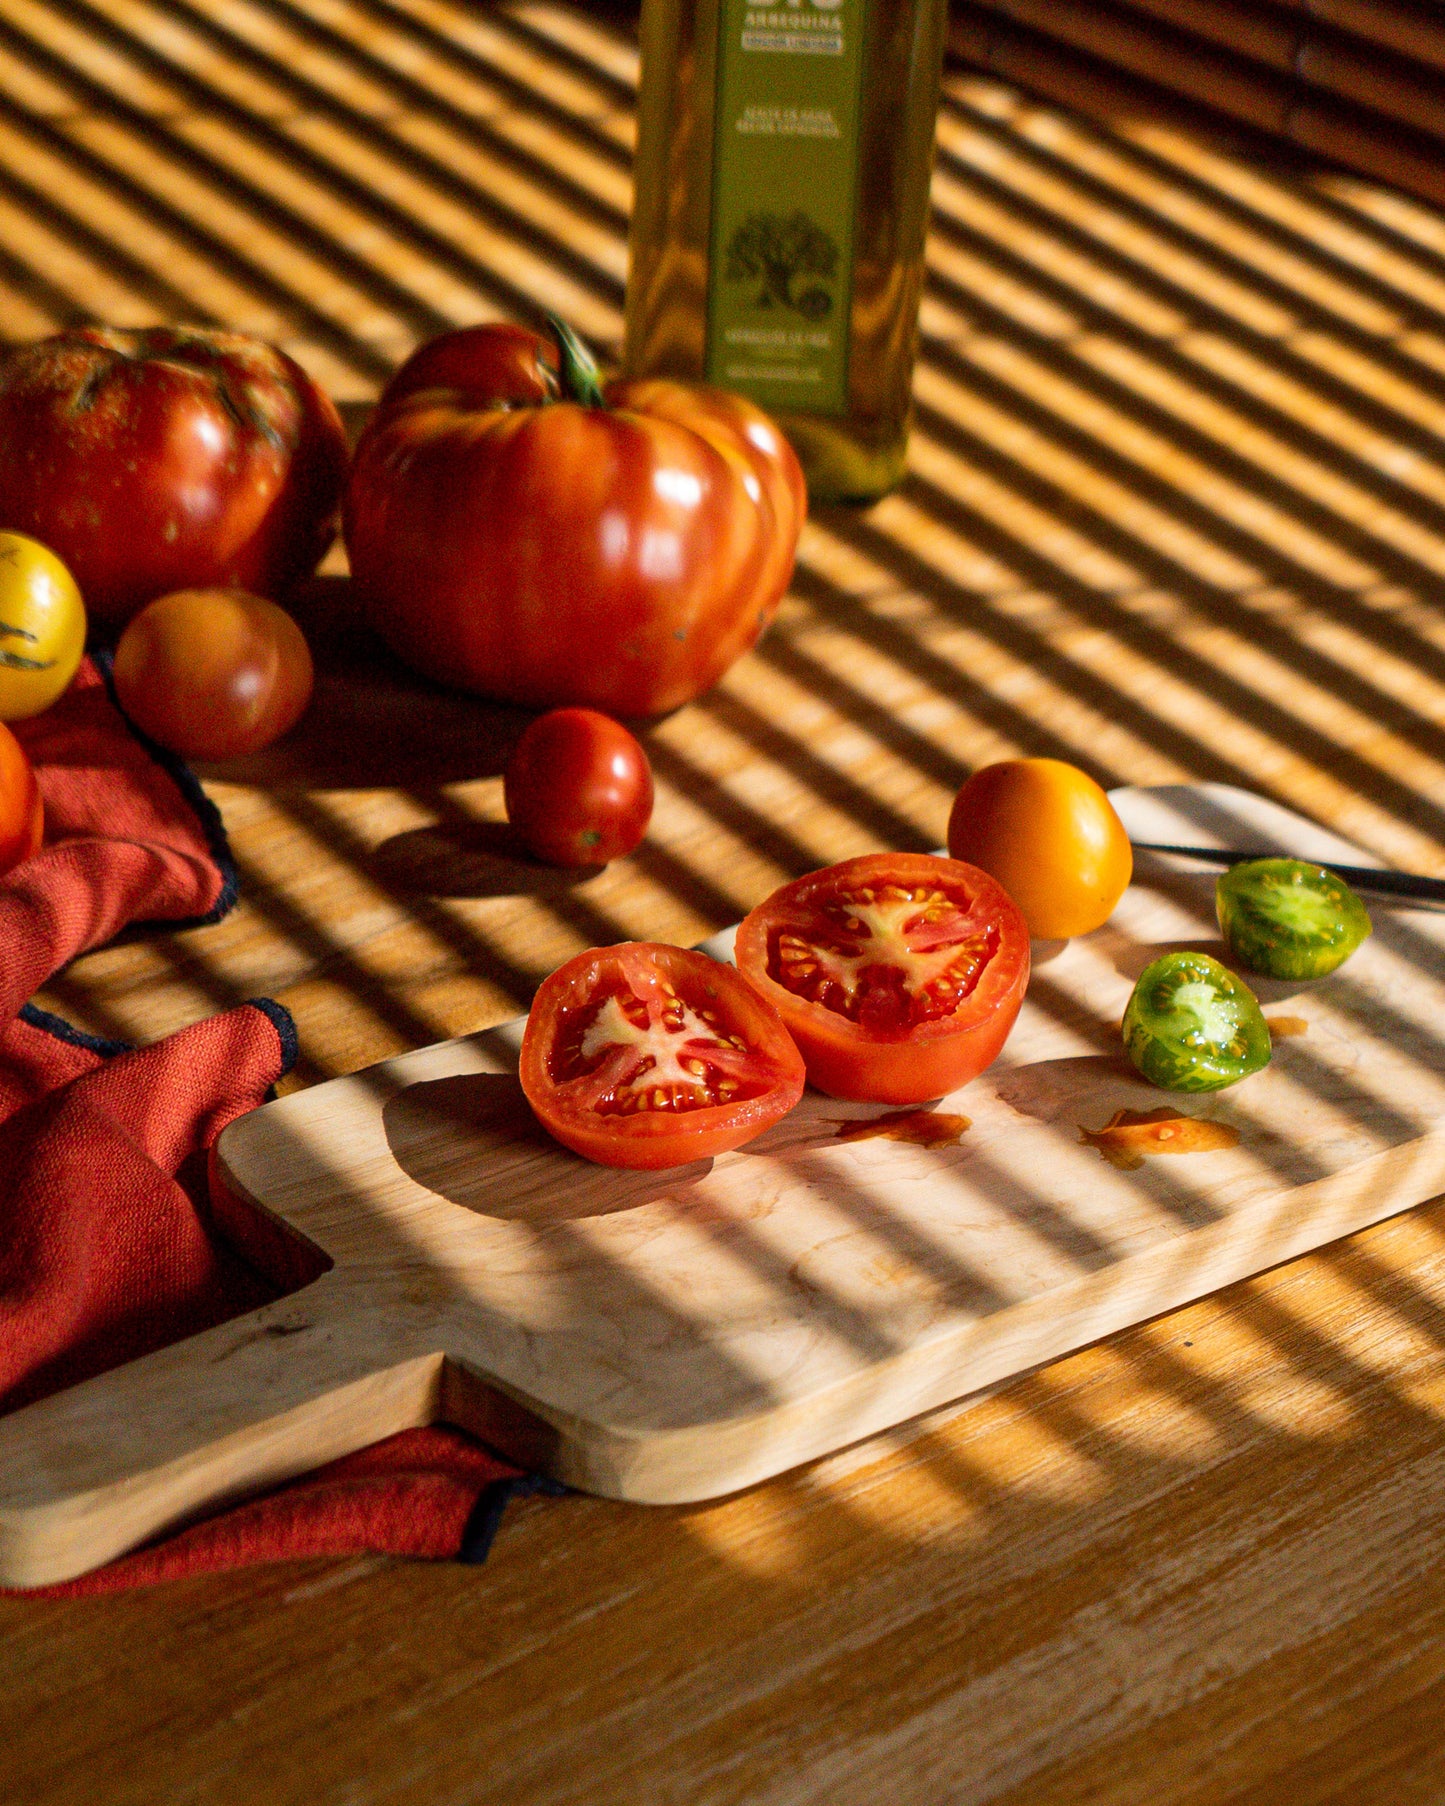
646, 1055
898, 975
170, 458
516, 530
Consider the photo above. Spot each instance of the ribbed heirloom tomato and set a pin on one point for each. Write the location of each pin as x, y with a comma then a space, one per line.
898, 975
516, 530
645, 1055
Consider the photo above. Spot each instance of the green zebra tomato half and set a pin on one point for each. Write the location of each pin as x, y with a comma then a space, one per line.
1288, 918
1191, 1025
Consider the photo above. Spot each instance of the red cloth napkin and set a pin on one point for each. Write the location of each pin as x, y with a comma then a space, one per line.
104, 1248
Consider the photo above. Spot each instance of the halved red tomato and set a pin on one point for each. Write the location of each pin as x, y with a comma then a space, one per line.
646, 1055
898, 975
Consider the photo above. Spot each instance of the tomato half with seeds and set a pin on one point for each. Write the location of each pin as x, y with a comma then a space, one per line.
898, 975
646, 1055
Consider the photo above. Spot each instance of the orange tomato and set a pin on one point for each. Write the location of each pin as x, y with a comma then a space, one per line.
22, 815
213, 673
1050, 836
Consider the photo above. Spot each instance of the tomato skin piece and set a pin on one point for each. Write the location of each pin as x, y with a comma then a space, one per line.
22, 813
213, 673
619, 557
578, 788
168, 457
1050, 836
770, 1068
908, 1064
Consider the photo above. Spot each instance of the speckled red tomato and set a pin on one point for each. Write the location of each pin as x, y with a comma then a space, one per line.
165, 459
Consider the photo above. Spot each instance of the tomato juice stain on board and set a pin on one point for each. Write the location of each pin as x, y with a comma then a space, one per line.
1131, 1136
1281, 1028
925, 1128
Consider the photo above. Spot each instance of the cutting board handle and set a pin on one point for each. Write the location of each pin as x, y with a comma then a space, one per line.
91, 1472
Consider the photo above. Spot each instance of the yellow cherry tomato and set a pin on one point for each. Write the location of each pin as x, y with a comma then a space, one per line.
1050, 836
42, 627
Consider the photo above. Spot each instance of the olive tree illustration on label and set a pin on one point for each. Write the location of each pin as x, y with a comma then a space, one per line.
784, 196
780, 252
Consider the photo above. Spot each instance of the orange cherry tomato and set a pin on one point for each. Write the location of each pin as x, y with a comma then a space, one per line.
213, 673
1050, 836
645, 1055
898, 975
22, 814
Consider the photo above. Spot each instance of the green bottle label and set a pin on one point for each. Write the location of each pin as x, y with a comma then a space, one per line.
785, 175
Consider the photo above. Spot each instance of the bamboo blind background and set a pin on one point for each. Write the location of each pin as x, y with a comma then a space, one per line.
1356, 80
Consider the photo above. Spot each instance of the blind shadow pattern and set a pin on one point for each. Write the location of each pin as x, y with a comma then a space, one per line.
1175, 510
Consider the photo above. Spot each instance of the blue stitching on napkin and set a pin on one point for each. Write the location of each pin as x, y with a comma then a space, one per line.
492, 1501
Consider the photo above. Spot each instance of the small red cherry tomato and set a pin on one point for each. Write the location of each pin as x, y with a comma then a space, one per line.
22, 815
645, 1055
213, 673
578, 788
898, 975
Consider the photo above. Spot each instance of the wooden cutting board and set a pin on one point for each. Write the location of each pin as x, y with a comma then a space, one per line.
669, 1337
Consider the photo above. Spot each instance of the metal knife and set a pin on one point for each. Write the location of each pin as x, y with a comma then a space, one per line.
1371, 878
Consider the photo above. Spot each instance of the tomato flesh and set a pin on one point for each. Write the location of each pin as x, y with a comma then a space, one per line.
645, 1055
887, 959
899, 976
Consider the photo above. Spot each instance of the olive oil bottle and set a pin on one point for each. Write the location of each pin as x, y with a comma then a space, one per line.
783, 160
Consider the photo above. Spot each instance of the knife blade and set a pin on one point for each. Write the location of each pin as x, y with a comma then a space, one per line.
1379, 882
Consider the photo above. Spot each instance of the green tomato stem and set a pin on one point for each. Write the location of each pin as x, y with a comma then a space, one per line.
580, 380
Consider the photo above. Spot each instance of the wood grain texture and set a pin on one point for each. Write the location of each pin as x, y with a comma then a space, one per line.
1174, 514
671, 1337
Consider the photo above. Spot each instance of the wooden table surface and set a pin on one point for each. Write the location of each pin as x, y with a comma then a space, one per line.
1176, 510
